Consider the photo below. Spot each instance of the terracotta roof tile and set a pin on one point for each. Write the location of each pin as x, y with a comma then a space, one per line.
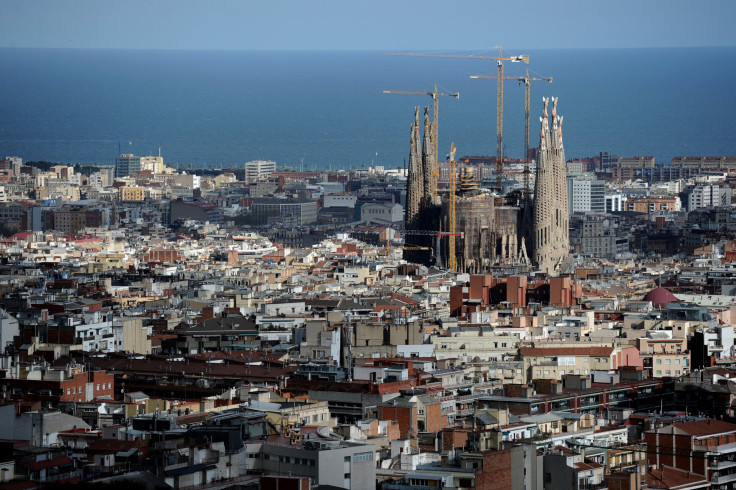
566, 351
705, 427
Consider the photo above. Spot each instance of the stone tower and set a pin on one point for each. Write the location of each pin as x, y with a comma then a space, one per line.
415, 179
428, 159
550, 235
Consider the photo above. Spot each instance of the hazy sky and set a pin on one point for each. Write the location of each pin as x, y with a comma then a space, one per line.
365, 25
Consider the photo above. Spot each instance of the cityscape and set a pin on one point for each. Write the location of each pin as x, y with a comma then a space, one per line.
435, 319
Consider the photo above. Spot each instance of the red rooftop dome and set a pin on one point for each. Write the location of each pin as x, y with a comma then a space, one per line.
660, 297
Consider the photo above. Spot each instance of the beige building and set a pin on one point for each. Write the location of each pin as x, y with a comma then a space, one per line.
475, 344
554, 362
664, 356
132, 193
285, 415
131, 335
153, 164
224, 179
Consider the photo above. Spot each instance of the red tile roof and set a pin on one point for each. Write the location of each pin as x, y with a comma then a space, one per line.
49, 463
672, 478
566, 351
705, 427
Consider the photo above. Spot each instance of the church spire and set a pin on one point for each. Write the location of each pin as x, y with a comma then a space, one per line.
415, 177
550, 239
427, 163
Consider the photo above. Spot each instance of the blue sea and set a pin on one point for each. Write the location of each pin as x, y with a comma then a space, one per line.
326, 109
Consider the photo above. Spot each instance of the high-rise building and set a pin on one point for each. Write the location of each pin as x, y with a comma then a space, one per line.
586, 195
127, 164
551, 238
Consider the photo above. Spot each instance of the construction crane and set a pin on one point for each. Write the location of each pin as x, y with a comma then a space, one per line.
526, 80
452, 259
435, 114
499, 96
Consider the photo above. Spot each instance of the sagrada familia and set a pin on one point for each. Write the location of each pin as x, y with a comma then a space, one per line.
492, 230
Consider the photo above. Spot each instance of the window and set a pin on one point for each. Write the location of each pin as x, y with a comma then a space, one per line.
659, 361
659, 372
668, 361
68, 391
677, 361
358, 457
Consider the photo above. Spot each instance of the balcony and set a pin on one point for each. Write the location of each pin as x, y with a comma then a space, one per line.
722, 465
718, 448
721, 479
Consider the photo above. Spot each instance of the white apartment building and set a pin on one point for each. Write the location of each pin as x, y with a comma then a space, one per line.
704, 196
259, 168
586, 195
615, 203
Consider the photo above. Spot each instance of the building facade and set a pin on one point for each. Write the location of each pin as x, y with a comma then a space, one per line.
259, 168
127, 164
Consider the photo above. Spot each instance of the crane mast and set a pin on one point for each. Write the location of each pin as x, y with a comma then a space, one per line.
499, 124
527, 101
526, 80
452, 259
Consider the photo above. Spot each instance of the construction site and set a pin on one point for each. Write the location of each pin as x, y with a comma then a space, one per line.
454, 222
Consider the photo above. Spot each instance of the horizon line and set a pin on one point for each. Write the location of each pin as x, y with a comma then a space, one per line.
366, 50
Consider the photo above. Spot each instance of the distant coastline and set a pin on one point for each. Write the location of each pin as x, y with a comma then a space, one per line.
324, 109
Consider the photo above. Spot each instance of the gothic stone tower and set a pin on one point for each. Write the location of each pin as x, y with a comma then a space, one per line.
428, 160
551, 240
415, 179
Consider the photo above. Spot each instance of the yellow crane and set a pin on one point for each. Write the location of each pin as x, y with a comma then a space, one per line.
435, 94
526, 80
452, 259
499, 95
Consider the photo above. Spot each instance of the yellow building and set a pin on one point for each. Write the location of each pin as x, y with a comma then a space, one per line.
132, 193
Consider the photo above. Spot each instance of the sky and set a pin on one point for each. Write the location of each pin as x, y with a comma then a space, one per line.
427, 25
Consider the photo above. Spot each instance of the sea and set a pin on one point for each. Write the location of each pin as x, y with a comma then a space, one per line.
326, 110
